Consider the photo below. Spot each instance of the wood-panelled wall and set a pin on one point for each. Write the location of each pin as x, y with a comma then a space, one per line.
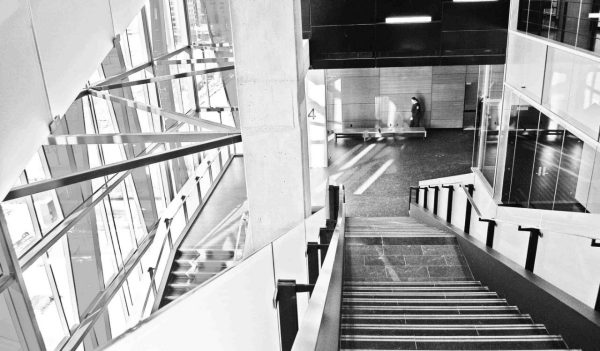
369, 97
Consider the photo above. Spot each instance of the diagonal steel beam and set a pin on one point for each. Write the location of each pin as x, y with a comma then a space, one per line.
162, 78
126, 138
157, 110
77, 177
200, 60
211, 45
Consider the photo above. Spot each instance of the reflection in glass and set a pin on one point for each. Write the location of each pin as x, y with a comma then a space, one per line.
569, 181
523, 144
547, 159
588, 35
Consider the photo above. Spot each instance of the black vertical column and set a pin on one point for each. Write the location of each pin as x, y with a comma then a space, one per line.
436, 192
534, 235
449, 206
469, 208
489, 241
288, 312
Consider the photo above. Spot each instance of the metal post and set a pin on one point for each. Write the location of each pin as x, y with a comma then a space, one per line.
185, 210
325, 235
534, 234
312, 253
449, 206
330, 223
436, 191
468, 210
425, 189
489, 241
418, 192
288, 309
334, 194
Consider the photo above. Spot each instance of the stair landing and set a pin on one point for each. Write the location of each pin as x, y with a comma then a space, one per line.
401, 249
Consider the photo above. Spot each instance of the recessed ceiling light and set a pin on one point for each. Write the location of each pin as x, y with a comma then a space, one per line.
408, 19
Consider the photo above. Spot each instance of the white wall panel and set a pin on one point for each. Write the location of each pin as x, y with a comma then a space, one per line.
571, 264
511, 243
122, 15
73, 37
290, 262
234, 312
24, 109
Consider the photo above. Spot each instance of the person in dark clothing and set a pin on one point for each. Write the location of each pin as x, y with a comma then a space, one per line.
416, 112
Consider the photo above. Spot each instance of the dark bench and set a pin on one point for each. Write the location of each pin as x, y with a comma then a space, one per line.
367, 133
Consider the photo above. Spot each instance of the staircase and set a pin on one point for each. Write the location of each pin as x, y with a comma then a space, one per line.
408, 286
193, 267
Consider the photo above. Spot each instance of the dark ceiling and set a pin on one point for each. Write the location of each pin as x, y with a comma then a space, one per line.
353, 33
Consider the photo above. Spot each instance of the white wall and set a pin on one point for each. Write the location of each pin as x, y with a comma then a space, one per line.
49, 49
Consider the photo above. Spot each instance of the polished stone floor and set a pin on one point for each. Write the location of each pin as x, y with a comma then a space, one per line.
378, 173
401, 249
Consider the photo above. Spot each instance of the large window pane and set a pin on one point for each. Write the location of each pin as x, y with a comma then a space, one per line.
20, 226
9, 336
44, 304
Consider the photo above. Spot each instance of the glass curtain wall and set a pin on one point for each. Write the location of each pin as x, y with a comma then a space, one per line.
571, 22
90, 253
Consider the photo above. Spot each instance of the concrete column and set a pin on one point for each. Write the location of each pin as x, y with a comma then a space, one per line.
317, 121
270, 71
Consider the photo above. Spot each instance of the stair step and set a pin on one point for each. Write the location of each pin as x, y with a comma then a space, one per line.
414, 289
460, 309
408, 239
206, 254
441, 283
499, 342
447, 319
179, 273
420, 294
423, 302
444, 329
209, 266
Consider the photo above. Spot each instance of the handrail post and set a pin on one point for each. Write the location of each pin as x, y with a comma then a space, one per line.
288, 309
436, 192
534, 234
489, 241
334, 194
425, 189
418, 193
312, 256
468, 210
449, 205
325, 235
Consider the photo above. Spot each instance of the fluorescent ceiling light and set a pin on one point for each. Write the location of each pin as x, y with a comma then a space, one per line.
408, 19
473, 0
594, 15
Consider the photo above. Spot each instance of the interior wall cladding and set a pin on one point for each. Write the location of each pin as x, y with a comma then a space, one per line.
369, 97
353, 33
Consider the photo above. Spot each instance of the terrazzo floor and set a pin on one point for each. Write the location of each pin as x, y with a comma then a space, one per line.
402, 162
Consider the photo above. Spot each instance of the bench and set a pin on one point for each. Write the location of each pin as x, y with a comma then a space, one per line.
367, 133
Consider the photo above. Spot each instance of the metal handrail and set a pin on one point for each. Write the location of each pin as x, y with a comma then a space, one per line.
320, 327
500, 220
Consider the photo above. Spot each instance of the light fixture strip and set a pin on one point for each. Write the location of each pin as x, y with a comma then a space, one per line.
474, 0
408, 19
